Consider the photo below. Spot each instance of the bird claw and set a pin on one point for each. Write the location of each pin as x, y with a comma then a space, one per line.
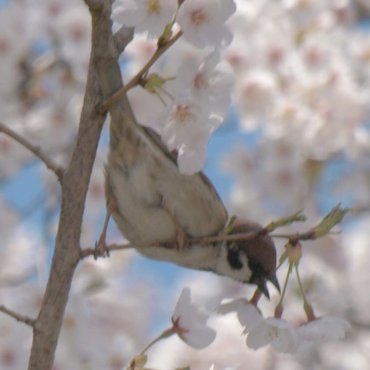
101, 249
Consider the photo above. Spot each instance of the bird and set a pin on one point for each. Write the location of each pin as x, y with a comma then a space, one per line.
251, 261
160, 210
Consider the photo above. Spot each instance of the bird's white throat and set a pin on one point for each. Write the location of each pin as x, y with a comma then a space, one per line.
201, 257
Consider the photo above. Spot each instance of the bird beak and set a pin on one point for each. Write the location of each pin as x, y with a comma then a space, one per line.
275, 282
262, 286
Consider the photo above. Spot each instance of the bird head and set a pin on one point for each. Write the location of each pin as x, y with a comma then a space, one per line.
251, 261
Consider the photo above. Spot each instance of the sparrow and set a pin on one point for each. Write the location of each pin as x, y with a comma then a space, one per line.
248, 261
160, 210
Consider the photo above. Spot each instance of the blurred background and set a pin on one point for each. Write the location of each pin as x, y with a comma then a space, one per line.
296, 137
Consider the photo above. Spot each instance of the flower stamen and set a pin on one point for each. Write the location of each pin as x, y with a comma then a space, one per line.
198, 17
153, 7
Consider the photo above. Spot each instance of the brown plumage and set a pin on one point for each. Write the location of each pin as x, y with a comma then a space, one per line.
155, 206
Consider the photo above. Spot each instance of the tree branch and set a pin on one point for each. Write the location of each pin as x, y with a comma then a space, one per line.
324, 227
58, 170
74, 189
86, 252
136, 79
122, 38
25, 319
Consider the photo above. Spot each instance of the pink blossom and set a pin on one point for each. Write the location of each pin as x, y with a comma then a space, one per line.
151, 16
190, 322
203, 21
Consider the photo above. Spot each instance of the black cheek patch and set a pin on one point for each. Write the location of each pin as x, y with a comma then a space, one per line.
233, 257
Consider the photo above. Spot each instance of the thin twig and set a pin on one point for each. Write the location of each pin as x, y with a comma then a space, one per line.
322, 229
136, 79
208, 240
86, 252
226, 238
21, 318
297, 236
33, 149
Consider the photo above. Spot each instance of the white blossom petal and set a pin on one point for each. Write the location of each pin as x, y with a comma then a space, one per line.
202, 21
151, 16
190, 322
277, 332
248, 314
324, 329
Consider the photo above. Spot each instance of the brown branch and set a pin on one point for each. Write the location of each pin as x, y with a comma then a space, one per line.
295, 236
21, 318
86, 252
58, 170
139, 75
74, 189
227, 238
122, 38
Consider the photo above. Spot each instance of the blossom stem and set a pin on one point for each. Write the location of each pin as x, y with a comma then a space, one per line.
307, 306
256, 297
285, 284
165, 334
300, 284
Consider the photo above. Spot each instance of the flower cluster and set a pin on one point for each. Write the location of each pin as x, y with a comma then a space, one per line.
281, 334
200, 93
189, 323
302, 82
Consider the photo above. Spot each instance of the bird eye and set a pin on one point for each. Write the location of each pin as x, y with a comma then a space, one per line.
233, 257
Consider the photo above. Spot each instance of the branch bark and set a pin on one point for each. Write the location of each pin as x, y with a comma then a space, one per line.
16, 316
33, 149
74, 188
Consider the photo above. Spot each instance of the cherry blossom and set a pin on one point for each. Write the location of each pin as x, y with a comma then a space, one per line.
144, 15
185, 119
208, 81
322, 330
192, 160
277, 332
281, 334
202, 21
201, 99
187, 127
248, 314
190, 322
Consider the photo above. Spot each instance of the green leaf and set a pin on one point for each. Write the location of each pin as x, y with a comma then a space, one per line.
283, 257
334, 217
166, 35
153, 82
230, 225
